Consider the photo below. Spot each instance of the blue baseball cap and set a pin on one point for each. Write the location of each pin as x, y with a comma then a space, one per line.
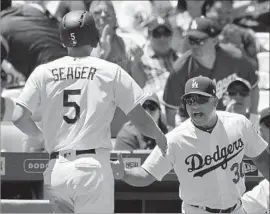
200, 85
159, 22
202, 27
240, 81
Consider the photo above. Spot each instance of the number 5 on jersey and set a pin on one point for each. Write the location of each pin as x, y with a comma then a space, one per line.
74, 105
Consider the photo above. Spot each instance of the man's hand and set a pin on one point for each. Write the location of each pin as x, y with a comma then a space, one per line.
118, 167
105, 41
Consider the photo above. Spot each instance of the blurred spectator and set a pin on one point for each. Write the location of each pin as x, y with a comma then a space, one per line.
239, 37
207, 58
132, 15
112, 48
156, 63
265, 124
129, 138
34, 32
4, 50
5, 102
238, 93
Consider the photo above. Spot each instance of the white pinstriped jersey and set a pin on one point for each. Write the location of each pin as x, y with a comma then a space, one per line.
257, 199
208, 165
78, 98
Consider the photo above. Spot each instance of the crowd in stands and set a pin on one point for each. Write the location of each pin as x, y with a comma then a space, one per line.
161, 44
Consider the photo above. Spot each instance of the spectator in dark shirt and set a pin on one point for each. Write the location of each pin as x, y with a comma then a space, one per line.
33, 37
207, 58
238, 37
129, 138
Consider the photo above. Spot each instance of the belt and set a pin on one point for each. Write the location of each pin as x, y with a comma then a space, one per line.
55, 155
228, 210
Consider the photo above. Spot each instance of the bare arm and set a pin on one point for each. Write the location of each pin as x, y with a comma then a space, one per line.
262, 163
255, 93
21, 118
147, 126
138, 177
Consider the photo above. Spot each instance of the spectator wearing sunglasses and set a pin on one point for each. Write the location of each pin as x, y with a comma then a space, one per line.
207, 58
257, 200
157, 59
238, 95
129, 138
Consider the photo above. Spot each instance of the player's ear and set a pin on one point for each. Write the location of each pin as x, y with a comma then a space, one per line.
63, 45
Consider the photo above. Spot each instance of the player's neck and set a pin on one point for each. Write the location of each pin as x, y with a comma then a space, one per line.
79, 51
209, 126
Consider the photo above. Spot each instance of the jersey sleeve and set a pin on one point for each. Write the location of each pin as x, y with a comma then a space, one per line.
127, 92
30, 97
157, 164
255, 143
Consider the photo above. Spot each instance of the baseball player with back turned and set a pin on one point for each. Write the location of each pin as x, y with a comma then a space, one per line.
79, 94
206, 152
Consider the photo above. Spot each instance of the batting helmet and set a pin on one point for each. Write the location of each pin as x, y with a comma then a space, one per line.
78, 28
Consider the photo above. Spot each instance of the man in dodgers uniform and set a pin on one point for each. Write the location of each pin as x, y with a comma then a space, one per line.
79, 94
206, 152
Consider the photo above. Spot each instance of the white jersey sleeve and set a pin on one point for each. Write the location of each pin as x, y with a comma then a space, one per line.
257, 200
255, 143
157, 164
30, 96
127, 92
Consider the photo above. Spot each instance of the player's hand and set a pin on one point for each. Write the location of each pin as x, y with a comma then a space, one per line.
118, 167
105, 41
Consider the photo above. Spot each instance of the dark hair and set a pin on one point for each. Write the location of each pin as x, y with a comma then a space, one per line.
266, 121
181, 6
162, 125
208, 4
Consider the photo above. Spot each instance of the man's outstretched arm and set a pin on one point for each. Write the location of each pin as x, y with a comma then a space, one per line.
136, 176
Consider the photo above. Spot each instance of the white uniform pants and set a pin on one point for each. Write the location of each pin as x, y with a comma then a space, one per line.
80, 184
186, 208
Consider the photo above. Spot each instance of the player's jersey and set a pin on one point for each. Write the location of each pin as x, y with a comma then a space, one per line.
78, 98
257, 200
208, 166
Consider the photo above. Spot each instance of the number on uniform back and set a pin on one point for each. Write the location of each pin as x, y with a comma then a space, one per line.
74, 105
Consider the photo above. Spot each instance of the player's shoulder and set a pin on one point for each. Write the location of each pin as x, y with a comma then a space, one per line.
230, 117
178, 133
180, 63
